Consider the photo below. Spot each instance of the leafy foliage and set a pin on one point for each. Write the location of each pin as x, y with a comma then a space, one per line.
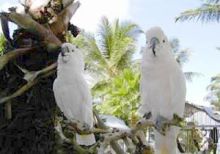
122, 95
2, 43
214, 91
207, 12
107, 55
111, 50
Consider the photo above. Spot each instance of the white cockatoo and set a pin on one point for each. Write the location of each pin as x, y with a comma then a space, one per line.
71, 91
163, 87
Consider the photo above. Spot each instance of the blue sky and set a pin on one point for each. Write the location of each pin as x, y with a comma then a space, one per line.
201, 38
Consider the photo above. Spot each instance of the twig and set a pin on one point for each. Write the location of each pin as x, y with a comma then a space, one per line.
60, 24
129, 145
76, 147
111, 136
99, 120
113, 144
5, 58
84, 132
31, 82
34, 27
58, 128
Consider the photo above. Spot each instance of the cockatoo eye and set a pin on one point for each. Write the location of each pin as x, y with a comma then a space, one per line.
72, 50
164, 41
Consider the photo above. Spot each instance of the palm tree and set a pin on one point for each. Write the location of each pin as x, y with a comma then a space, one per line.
110, 51
109, 59
209, 11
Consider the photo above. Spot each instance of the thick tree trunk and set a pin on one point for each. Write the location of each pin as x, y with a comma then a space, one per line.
31, 129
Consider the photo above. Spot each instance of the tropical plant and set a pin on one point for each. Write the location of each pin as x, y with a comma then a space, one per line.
107, 55
2, 44
214, 92
110, 51
122, 95
209, 11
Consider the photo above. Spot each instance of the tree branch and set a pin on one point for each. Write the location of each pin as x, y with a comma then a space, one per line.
31, 82
34, 27
77, 147
5, 58
60, 24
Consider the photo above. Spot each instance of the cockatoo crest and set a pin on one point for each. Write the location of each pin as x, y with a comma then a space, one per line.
71, 56
157, 42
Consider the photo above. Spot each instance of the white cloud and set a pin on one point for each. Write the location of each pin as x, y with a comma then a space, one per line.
90, 12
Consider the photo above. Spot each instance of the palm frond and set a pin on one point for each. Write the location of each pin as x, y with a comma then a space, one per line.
182, 56
215, 83
216, 78
190, 75
124, 47
207, 12
214, 91
94, 53
100, 88
175, 45
214, 1
214, 87
106, 39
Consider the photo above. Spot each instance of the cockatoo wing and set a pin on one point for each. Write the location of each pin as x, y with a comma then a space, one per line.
178, 91
74, 99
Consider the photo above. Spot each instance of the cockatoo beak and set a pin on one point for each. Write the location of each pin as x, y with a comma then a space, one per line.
63, 51
153, 42
65, 56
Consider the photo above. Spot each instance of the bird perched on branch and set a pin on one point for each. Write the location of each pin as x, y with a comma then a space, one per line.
162, 88
71, 90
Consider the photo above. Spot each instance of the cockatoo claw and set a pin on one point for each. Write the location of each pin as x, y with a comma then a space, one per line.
147, 115
177, 120
161, 125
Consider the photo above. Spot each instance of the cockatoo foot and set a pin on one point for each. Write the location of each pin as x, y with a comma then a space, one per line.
144, 119
147, 115
162, 125
80, 126
177, 120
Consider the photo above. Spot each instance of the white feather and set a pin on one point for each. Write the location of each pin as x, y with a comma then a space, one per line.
162, 87
71, 90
